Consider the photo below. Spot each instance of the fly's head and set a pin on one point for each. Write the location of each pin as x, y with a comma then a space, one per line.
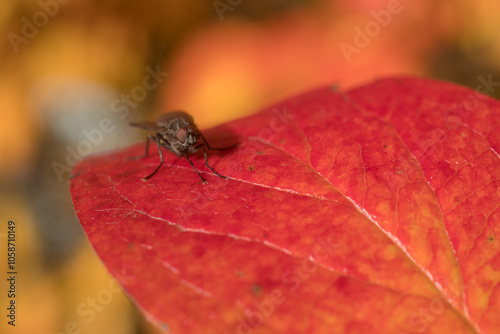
187, 136
183, 134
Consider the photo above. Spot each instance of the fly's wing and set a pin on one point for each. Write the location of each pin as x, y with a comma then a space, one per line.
152, 126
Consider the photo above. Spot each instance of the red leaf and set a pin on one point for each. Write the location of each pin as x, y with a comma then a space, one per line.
370, 211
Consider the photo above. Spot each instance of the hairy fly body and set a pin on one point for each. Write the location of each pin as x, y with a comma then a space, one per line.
177, 132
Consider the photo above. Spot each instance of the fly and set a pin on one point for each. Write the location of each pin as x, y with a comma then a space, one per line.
177, 132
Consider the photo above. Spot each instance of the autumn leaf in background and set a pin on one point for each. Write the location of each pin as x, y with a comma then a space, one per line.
374, 210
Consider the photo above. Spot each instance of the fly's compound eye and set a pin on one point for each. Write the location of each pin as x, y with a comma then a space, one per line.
181, 135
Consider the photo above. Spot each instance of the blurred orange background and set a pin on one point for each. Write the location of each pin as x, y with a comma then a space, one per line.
67, 66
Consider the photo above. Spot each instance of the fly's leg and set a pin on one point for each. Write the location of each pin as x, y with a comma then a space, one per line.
157, 139
206, 162
185, 155
147, 144
146, 152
